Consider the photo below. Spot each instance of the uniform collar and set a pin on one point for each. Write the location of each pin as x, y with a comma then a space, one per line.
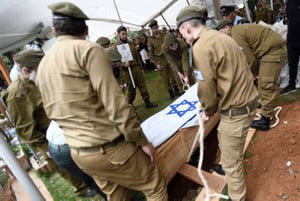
205, 29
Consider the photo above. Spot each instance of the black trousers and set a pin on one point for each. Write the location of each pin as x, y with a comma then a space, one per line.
293, 54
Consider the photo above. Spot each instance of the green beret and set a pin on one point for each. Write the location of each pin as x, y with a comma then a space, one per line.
113, 55
169, 39
189, 13
103, 41
29, 58
153, 23
222, 23
67, 9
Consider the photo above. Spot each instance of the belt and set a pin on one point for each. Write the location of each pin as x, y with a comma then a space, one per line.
240, 111
101, 147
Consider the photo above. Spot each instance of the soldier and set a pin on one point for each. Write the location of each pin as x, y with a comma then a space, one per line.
158, 59
137, 73
225, 85
115, 59
264, 14
266, 53
228, 12
293, 43
176, 52
25, 107
101, 128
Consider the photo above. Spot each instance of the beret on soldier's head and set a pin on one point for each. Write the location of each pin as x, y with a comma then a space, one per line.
113, 55
67, 9
169, 39
227, 9
153, 23
222, 23
29, 58
121, 28
191, 12
103, 41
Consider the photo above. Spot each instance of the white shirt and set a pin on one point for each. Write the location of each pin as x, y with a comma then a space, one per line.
55, 134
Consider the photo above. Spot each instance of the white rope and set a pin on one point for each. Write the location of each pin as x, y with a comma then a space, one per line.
277, 120
200, 136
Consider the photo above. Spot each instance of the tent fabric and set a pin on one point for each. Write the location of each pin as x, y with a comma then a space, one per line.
19, 17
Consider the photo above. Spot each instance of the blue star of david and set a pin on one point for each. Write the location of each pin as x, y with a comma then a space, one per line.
189, 106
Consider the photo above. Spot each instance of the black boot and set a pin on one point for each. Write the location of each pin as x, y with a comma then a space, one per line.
219, 169
148, 104
171, 95
177, 92
262, 124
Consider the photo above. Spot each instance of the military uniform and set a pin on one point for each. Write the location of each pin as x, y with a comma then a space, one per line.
225, 85
266, 53
99, 125
25, 107
157, 58
264, 14
138, 76
179, 59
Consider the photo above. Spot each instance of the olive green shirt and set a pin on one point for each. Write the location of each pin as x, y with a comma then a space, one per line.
256, 41
155, 49
178, 59
81, 93
221, 70
25, 106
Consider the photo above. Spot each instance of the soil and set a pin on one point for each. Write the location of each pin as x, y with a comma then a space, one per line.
273, 165
273, 172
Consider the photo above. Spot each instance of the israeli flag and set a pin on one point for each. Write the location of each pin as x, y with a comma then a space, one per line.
179, 114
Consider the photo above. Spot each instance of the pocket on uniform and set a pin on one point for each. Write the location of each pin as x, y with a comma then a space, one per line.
123, 154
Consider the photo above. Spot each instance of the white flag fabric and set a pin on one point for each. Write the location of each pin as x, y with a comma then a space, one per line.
182, 112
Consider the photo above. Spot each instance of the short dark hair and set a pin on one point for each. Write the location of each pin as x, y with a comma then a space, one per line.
69, 26
197, 22
121, 28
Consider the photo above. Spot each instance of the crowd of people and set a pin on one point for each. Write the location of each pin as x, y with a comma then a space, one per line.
71, 100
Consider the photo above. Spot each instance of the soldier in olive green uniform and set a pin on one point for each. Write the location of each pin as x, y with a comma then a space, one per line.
80, 92
25, 107
159, 60
225, 85
136, 71
266, 53
177, 54
264, 14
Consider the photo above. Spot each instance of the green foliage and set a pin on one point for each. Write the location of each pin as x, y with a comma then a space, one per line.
3, 176
248, 155
7, 62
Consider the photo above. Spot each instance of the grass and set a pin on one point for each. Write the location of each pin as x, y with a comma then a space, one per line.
61, 190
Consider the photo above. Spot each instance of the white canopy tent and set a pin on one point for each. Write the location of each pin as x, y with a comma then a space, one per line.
23, 20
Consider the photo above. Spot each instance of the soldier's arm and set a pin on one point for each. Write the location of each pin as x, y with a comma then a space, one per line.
21, 112
171, 60
205, 74
185, 61
119, 112
151, 52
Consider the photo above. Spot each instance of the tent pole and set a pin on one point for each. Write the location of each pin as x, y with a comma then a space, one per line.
216, 8
116, 7
247, 10
165, 21
4, 72
187, 1
18, 171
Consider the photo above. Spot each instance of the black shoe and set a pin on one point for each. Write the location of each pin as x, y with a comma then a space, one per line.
89, 193
148, 104
171, 95
218, 169
288, 90
262, 124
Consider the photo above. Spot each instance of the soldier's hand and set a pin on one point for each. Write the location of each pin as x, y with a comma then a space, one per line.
150, 151
127, 64
158, 67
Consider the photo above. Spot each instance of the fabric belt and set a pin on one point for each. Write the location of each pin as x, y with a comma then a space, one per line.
101, 147
240, 111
